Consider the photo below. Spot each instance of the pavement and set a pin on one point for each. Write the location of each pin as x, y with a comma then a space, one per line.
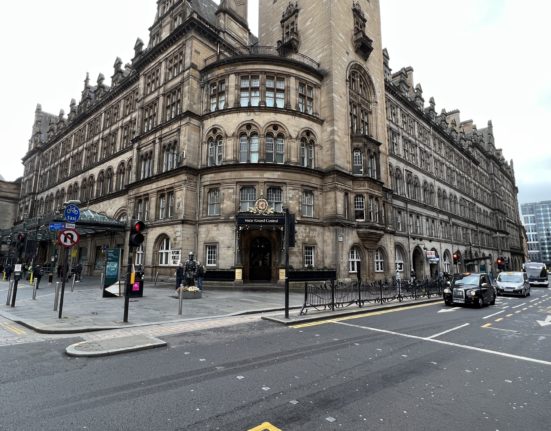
85, 310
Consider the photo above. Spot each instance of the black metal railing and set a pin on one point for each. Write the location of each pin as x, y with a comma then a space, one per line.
330, 295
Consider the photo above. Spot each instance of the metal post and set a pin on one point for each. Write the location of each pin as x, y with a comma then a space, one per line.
14, 291
101, 280
180, 299
35, 286
64, 275
332, 295
73, 284
286, 242
10, 289
56, 296
127, 287
156, 278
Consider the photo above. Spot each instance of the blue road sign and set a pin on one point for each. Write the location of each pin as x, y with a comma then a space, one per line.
72, 213
56, 226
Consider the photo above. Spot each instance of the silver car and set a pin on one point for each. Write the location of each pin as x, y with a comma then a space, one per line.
513, 283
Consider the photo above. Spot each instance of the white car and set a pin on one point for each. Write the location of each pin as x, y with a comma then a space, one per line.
513, 283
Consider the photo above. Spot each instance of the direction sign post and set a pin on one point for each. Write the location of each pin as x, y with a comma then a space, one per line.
67, 238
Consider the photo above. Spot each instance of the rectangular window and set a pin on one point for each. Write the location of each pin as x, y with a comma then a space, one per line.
162, 206
275, 92
152, 80
308, 203
217, 95
275, 199
309, 254
359, 208
213, 198
174, 65
173, 104
247, 198
211, 255
250, 90
170, 205
150, 117
305, 98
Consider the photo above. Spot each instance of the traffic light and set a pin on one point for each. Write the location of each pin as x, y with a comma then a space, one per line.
500, 263
136, 235
456, 257
21, 237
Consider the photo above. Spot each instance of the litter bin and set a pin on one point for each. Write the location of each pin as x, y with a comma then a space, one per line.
136, 289
50, 277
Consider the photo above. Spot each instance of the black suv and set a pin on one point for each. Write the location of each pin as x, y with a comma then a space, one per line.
470, 288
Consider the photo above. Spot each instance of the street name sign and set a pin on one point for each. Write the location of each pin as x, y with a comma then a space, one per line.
56, 226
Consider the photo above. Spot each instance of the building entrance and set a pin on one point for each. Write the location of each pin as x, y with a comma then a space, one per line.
260, 259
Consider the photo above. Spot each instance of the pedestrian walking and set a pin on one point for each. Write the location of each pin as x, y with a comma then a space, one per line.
37, 272
200, 275
179, 275
78, 271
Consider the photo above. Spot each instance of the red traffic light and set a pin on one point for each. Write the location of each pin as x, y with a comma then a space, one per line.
136, 237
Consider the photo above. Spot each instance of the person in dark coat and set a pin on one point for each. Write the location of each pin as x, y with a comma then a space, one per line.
9, 271
37, 272
179, 275
200, 275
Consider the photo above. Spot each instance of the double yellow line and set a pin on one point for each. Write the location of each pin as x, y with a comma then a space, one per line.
359, 316
13, 328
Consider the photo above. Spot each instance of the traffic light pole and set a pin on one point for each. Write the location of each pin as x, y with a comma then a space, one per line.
64, 268
127, 287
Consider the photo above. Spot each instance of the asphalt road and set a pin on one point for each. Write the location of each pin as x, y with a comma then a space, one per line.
426, 367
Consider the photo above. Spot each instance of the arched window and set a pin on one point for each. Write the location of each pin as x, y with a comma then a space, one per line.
165, 252
215, 147
101, 182
120, 177
249, 145
409, 186
307, 145
354, 260
372, 166
379, 260
109, 181
360, 101
275, 146
128, 172
399, 259
83, 191
399, 182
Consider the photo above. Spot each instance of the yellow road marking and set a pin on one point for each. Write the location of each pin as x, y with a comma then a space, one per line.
487, 325
509, 315
14, 329
266, 426
359, 316
499, 320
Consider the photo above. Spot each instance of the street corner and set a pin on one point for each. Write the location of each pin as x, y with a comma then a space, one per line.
114, 346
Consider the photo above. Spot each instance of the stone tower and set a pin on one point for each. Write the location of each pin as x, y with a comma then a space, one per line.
341, 36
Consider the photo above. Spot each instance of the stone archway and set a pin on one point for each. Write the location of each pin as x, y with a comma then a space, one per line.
418, 263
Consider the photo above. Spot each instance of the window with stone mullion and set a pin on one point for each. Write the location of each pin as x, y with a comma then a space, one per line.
250, 90
275, 198
247, 198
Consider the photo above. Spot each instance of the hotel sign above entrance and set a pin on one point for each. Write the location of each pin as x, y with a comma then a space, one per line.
265, 220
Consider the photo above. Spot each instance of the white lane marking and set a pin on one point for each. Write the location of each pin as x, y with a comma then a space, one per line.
449, 330
491, 315
534, 300
520, 305
447, 310
446, 343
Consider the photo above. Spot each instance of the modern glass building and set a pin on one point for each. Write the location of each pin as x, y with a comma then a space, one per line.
536, 217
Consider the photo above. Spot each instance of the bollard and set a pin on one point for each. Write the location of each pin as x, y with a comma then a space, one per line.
31, 278
35, 286
101, 281
10, 289
50, 278
73, 284
156, 278
180, 299
56, 296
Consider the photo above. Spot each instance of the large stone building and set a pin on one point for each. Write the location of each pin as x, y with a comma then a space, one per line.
209, 133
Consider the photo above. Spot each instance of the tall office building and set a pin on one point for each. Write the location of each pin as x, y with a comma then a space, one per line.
536, 217
210, 133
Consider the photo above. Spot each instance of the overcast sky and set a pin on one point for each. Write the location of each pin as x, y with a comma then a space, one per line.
488, 58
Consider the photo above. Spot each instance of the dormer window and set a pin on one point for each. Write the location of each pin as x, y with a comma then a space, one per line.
289, 26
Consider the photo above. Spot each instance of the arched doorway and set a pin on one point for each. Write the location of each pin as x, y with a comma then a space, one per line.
260, 259
418, 263
434, 264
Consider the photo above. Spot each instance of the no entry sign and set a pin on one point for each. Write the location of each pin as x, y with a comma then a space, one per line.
68, 237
